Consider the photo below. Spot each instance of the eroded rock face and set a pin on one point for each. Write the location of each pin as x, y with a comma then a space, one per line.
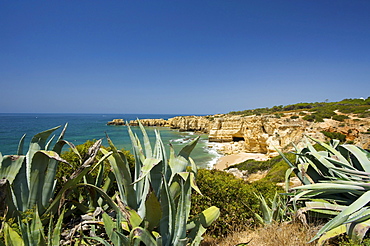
150, 122
262, 134
190, 123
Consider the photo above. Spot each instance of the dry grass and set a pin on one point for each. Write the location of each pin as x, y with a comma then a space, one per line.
287, 234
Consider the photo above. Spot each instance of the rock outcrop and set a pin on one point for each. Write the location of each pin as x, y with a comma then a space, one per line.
116, 122
262, 134
150, 122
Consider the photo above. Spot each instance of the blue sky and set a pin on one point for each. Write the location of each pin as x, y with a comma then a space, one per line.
183, 57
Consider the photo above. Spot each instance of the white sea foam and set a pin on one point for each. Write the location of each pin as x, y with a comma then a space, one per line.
214, 150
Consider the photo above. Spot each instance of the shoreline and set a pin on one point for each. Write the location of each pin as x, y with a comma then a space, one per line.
224, 160
233, 159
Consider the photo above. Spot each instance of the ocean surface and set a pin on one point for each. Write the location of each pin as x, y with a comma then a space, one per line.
83, 127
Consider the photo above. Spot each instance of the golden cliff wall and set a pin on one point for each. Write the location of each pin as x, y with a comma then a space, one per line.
261, 134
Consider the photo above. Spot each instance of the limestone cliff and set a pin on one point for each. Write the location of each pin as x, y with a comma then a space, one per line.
150, 122
261, 134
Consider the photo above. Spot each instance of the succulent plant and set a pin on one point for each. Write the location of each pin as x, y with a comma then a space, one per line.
336, 182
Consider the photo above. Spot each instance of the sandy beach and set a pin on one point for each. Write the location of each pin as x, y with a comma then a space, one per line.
229, 160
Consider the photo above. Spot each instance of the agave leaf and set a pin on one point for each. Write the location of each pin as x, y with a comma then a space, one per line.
354, 173
287, 178
187, 149
331, 149
56, 232
140, 234
162, 168
49, 179
332, 233
161, 152
10, 166
324, 205
182, 212
193, 166
166, 225
137, 150
191, 176
153, 211
334, 143
344, 215
12, 238
361, 155
36, 229
358, 230
360, 216
148, 165
177, 164
147, 146
37, 180
47, 146
20, 145
141, 196
110, 228
6, 192
61, 136
99, 178
195, 235
21, 188
139, 159
339, 163
330, 186
266, 210
38, 142
297, 172
205, 218
122, 173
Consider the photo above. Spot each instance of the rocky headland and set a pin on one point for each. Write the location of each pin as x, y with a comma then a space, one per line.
265, 133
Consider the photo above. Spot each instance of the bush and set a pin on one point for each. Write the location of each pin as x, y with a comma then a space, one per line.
233, 196
340, 117
294, 117
335, 135
277, 173
309, 117
252, 166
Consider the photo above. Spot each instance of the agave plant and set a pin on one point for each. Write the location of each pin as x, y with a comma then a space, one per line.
31, 176
154, 204
336, 182
32, 232
278, 212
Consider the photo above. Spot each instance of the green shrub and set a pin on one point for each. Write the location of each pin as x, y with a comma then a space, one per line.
294, 117
309, 117
277, 173
233, 196
252, 166
335, 135
340, 117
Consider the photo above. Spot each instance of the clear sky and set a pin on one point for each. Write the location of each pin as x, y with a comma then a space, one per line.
182, 57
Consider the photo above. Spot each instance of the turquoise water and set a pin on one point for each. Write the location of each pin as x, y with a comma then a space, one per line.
82, 127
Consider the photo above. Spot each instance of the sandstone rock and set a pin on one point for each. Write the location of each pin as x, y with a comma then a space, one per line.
262, 134
150, 122
116, 122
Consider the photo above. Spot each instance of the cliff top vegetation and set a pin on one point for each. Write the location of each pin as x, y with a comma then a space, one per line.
358, 106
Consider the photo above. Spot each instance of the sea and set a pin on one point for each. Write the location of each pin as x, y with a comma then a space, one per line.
83, 127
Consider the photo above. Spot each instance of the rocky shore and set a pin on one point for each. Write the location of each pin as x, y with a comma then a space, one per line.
263, 134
